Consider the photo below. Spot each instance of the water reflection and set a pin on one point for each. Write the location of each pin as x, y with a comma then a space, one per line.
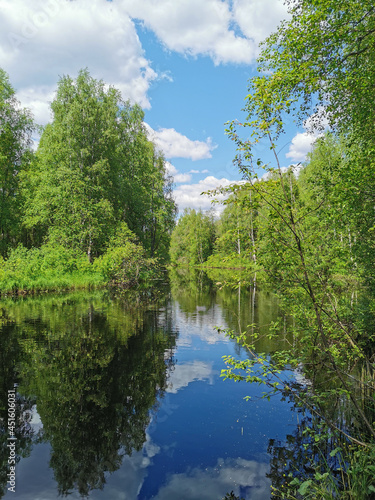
185, 373
129, 399
238, 307
95, 379
11, 355
209, 483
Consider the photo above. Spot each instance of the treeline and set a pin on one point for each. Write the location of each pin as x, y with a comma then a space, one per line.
249, 233
226, 241
94, 200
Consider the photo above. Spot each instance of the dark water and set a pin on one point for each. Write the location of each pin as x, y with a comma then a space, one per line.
121, 400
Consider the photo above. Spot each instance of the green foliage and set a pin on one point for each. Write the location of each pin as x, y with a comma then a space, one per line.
124, 265
192, 239
232, 262
232, 496
16, 126
95, 172
94, 169
237, 225
314, 236
46, 268
321, 60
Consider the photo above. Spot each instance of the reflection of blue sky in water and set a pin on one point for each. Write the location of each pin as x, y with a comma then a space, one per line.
200, 324
211, 440
203, 441
245, 477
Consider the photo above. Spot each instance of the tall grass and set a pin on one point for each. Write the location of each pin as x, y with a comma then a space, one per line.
46, 269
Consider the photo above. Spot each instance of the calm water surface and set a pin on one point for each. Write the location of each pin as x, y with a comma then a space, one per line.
117, 400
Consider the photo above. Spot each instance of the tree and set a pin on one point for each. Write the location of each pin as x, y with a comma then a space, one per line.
95, 169
16, 126
150, 209
192, 239
237, 225
320, 61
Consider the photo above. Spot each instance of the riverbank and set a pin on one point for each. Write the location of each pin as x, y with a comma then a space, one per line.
53, 268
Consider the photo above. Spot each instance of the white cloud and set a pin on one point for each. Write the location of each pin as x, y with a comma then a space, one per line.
172, 170
183, 374
38, 100
301, 145
205, 171
303, 141
189, 195
196, 28
176, 145
43, 40
258, 18
214, 482
182, 178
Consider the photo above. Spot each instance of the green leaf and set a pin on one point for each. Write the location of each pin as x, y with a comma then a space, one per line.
302, 490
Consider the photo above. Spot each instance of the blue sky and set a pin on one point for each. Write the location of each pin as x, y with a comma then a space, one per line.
186, 62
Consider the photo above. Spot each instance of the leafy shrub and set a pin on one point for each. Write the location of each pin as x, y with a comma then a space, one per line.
124, 263
45, 268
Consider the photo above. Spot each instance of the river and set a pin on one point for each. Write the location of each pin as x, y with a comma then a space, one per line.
122, 398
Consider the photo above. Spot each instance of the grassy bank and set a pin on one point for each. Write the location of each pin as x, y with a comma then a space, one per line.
52, 267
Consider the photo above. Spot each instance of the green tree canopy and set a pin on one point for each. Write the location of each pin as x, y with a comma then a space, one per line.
16, 126
192, 239
94, 169
322, 60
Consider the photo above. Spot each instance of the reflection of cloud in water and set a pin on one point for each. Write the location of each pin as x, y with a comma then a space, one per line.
123, 484
127, 482
246, 478
150, 449
183, 374
300, 377
200, 324
35, 421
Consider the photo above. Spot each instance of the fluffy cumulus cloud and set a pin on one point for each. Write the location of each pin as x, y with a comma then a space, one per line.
300, 146
258, 18
238, 475
189, 195
303, 141
195, 27
45, 39
176, 145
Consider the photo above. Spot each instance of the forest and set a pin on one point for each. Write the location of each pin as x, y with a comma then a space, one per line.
93, 205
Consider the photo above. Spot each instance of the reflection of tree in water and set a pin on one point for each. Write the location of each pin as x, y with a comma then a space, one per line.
313, 450
97, 397
96, 376
10, 356
191, 288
